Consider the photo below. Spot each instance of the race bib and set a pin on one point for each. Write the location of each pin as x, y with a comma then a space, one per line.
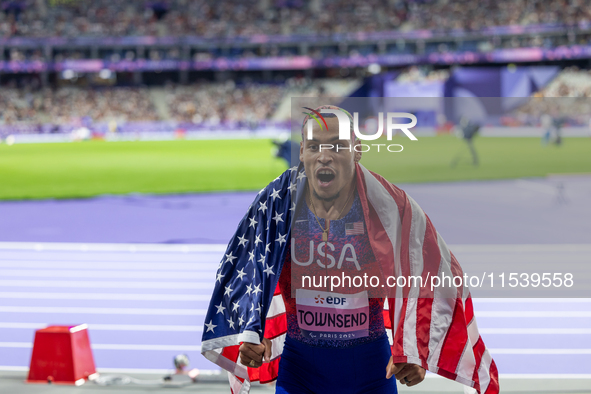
324, 315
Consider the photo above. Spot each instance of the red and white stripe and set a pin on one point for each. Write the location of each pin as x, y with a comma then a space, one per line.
434, 329
227, 354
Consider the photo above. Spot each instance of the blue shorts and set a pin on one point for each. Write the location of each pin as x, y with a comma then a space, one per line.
305, 369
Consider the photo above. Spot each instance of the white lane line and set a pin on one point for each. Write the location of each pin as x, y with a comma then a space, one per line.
108, 285
110, 327
178, 348
219, 372
540, 351
104, 296
208, 372
185, 248
532, 314
202, 372
106, 274
522, 248
106, 247
535, 331
188, 328
28, 345
525, 376
200, 264
13, 368
536, 186
562, 376
25, 326
531, 300
104, 311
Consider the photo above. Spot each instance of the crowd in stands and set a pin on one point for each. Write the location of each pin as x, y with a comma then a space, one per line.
70, 104
421, 74
568, 96
202, 103
571, 82
229, 18
221, 102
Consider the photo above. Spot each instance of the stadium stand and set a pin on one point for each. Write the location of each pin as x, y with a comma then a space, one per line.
219, 103
205, 30
66, 64
215, 103
211, 103
573, 87
67, 104
571, 82
418, 74
207, 18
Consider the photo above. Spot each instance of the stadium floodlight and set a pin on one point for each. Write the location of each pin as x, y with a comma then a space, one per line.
374, 68
105, 73
68, 74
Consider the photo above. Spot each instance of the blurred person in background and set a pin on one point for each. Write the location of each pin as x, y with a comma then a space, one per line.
558, 123
467, 130
287, 150
547, 124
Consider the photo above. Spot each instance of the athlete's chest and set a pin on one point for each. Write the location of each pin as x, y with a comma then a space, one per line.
335, 245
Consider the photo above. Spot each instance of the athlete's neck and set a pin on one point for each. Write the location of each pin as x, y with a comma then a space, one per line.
335, 208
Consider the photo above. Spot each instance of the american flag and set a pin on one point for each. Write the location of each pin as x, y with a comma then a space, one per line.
354, 228
436, 330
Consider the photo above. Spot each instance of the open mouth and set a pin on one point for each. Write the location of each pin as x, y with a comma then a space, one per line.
325, 176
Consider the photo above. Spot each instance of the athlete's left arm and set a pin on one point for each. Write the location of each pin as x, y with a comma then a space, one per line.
406, 373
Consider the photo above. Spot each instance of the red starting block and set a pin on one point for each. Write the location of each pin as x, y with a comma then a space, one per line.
61, 355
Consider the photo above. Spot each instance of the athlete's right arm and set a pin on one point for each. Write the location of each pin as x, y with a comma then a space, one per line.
258, 353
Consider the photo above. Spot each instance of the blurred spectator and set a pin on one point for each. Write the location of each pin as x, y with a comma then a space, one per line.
571, 90
68, 105
288, 150
222, 102
203, 103
211, 103
467, 129
209, 18
422, 74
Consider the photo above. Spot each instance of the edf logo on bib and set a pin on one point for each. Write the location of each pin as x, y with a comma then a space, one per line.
336, 300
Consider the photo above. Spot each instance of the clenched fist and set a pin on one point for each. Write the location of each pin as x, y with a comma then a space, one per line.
408, 374
253, 355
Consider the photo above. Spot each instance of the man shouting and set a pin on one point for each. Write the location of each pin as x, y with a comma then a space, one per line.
330, 214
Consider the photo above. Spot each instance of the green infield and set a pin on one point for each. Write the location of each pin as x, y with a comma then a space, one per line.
92, 168
429, 159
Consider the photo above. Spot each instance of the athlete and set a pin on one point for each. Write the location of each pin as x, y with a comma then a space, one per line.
332, 215
356, 358
467, 130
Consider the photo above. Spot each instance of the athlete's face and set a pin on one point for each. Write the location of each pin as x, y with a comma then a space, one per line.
329, 162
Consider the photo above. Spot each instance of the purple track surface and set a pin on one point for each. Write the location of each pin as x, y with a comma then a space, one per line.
145, 306
553, 210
